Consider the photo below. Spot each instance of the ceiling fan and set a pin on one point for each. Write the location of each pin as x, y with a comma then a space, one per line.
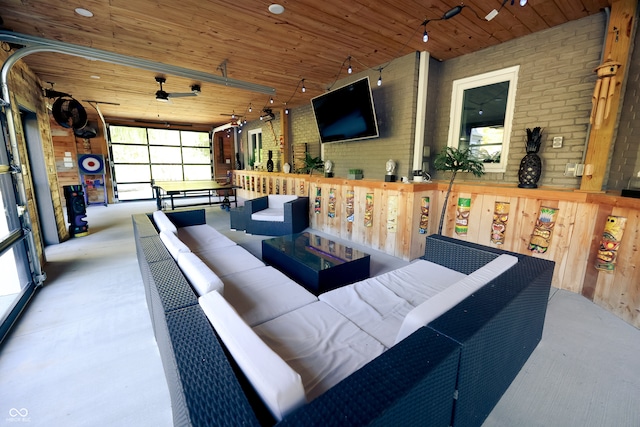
163, 96
236, 119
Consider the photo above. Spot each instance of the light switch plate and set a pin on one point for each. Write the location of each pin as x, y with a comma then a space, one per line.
557, 142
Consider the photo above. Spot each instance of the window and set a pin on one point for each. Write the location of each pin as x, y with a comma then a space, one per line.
481, 115
142, 154
255, 146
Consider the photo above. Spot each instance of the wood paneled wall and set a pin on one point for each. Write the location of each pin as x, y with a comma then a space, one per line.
67, 146
395, 225
26, 94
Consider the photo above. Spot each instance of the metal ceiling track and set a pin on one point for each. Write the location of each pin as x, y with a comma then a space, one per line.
38, 44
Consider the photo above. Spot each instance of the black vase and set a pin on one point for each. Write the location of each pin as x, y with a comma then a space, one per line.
270, 162
530, 170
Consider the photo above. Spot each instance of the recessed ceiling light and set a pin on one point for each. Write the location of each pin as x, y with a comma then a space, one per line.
276, 9
83, 12
95, 77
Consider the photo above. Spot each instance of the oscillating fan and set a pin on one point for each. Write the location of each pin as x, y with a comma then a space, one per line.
69, 113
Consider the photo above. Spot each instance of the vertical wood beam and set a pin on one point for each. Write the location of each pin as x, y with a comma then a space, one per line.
284, 134
617, 48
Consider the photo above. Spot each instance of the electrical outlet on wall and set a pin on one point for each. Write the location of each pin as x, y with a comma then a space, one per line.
570, 169
557, 142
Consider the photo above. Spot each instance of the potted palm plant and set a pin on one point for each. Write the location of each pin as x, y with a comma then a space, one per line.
310, 164
455, 160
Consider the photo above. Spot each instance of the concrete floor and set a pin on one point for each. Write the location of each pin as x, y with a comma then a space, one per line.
83, 353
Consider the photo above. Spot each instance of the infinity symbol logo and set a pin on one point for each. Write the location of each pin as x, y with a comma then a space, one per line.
13, 412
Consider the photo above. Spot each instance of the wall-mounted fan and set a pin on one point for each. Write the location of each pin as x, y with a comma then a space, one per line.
69, 113
163, 96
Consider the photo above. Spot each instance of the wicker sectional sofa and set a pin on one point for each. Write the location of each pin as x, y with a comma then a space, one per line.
450, 372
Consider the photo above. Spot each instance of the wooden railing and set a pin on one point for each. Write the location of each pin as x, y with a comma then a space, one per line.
390, 217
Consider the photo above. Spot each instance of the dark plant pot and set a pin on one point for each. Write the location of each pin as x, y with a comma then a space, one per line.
530, 170
270, 162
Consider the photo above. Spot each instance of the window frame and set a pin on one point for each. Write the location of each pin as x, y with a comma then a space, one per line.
149, 146
509, 74
255, 146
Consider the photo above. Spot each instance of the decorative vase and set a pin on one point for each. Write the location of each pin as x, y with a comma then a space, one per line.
286, 168
531, 164
530, 170
270, 162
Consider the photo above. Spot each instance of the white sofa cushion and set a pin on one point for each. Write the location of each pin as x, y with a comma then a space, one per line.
439, 304
202, 237
419, 280
319, 343
277, 201
164, 223
264, 293
373, 307
229, 260
279, 386
199, 274
173, 244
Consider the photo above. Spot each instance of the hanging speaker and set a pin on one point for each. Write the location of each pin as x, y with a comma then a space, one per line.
91, 164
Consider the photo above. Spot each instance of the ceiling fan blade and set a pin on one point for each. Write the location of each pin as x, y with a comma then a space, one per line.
181, 94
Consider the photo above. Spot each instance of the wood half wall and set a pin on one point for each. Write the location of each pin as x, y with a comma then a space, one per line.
395, 211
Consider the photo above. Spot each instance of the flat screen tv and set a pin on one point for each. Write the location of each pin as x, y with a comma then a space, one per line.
346, 113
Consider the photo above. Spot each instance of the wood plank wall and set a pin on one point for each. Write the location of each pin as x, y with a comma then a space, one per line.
574, 244
67, 145
26, 94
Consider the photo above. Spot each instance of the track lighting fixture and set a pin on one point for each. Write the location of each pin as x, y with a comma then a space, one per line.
304, 89
380, 77
250, 107
350, 69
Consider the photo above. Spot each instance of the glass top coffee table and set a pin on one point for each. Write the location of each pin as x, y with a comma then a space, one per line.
317, 263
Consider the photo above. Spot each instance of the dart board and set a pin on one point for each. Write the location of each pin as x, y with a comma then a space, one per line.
91, 164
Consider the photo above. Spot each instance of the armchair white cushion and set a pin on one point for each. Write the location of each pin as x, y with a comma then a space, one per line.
277, 201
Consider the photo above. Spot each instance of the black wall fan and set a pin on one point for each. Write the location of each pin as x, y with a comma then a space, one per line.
163, 96
69, 113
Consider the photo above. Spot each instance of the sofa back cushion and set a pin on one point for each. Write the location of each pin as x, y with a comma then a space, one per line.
279, 386
277, 201
199, 274
173, 244
164, 223
443, 301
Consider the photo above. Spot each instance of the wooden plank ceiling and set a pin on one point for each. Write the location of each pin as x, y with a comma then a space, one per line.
311, 40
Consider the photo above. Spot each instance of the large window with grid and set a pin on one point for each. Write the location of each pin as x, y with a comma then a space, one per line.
140, 155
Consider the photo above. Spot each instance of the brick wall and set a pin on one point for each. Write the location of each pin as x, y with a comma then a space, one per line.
555, 85
395, 104
625, 160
